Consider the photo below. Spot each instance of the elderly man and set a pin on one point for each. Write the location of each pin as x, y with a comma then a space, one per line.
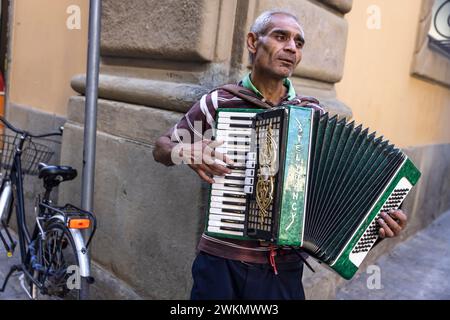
239, 269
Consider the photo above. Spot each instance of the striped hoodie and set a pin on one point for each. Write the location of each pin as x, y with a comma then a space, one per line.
199, 119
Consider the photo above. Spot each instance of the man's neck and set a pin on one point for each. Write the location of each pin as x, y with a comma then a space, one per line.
273, 90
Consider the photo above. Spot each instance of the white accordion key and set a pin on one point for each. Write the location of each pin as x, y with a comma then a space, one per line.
249, 181
236, 156
223, 180
221, 186
251, 156
225, 217
239, 195
218, 223
248, 189
232, 121
250, 164
226, 206
227, 199
226, 212
220, 230
249, 172
236, 114
247, 128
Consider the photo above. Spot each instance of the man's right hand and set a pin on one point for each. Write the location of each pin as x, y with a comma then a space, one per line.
202, 158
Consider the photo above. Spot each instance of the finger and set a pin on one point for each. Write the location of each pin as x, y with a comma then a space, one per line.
382, 233
228, 160
200, 167
215, 143
208, 156
400, 216
212, 170
207, 169
205, 177
220, 169
393, 225
196, 155
222, 157
388, 232
209, 151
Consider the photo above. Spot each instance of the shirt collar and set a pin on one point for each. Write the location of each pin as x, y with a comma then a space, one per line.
247, 83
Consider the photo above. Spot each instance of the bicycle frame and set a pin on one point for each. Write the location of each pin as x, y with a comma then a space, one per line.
16, 178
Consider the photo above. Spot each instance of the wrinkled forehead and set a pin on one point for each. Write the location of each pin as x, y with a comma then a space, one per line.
285, 22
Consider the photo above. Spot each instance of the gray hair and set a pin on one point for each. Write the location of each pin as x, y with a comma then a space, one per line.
262, 24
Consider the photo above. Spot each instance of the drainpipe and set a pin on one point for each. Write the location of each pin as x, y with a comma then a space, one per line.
90, 121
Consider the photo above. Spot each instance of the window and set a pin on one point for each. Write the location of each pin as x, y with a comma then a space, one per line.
439, 34
432, 53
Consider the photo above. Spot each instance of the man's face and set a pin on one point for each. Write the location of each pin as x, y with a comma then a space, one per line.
279, 51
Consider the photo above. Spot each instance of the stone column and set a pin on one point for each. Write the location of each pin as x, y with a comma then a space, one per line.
158, 58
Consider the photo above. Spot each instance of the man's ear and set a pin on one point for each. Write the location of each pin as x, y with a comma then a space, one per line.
252, 40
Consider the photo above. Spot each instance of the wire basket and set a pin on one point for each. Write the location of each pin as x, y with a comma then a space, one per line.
32, 153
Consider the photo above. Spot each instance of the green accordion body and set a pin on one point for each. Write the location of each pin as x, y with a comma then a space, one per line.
308, 181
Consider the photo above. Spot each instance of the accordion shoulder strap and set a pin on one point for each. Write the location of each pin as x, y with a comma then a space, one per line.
245, 94
248, 95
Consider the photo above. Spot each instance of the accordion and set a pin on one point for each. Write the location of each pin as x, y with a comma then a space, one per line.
307, 181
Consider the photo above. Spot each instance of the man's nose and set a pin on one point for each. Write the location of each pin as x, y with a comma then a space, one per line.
291, 45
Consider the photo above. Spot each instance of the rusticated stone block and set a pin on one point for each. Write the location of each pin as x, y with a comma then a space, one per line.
343, 6
162, 94
170, 30
134, 122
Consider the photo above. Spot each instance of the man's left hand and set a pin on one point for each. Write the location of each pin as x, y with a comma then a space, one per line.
392, 223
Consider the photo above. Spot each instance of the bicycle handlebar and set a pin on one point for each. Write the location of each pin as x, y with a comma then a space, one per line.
23, 132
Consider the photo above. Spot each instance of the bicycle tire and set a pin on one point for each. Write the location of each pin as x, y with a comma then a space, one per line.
59, 284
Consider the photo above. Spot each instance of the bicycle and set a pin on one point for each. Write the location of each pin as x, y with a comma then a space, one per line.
54, 258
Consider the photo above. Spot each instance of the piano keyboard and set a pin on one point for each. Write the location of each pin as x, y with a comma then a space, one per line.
229, 192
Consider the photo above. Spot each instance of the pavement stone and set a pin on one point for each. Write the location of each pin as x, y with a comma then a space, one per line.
416, 269
13, 290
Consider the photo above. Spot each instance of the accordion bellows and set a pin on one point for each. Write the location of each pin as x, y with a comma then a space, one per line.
308, 181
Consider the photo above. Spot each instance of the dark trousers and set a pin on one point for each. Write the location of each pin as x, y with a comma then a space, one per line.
216, 278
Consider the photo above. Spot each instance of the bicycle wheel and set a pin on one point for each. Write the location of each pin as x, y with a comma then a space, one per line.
57, 266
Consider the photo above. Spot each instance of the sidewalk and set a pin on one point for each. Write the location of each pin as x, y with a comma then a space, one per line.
418, 268
13, 290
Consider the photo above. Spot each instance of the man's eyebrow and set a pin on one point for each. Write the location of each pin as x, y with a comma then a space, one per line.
280, 31
286, 32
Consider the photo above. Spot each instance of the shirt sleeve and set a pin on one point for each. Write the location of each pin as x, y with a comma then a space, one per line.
193, 126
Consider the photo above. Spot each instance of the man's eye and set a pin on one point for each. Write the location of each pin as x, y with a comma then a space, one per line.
299, 44
281, 37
